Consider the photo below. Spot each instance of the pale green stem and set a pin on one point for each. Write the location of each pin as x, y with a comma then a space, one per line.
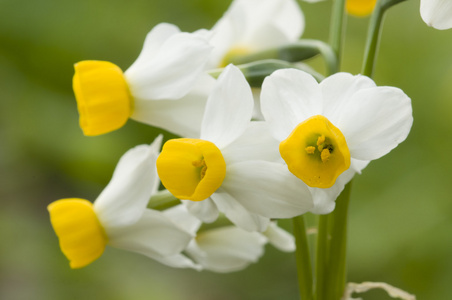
322, 257
337, 28
336, 276
163, 200
373, 34
303, 258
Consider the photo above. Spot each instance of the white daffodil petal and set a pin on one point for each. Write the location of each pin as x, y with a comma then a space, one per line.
255, 143
205, 210
177, 261
237, 213
280, 238
337, 91
134, 180
437, 13
179, 215
289, 97
375, 121
183, 116
227, 249
267, 189
153, 233
229, 108
154, 40
173, 71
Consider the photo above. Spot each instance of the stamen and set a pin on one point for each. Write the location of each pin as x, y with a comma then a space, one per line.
310, 149
200, 164
320, 142
325, 155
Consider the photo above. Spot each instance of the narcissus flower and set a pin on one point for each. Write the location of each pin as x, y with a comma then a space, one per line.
165, 87
119, 217
437, 13
331, 130
231, 167
254, 25
228, 248
360, 8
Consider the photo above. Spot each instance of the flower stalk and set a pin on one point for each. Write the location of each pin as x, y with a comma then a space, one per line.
303, 259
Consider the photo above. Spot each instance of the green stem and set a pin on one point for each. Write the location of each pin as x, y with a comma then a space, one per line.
303, 258
337, 28
336, 277
163, 200
322, 257
373, 34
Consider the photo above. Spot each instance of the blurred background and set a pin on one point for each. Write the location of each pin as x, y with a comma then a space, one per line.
400, 228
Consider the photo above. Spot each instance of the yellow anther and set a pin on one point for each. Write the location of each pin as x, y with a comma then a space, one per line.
310, 149
321, 140
325, 155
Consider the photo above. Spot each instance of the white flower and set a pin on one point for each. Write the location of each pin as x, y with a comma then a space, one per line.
254, 25
119, 217
228, 248
231, 167
165, 87
331, 130
437, 13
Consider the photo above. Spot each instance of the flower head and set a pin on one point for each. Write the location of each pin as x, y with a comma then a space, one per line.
164, 87
119, 217
437, 13
331, 130
234, 165
254, 25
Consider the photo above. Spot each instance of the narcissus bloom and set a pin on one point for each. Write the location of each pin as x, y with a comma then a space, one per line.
228, 248
254, 25
165, 87
360, 8
231, 167
119, 217
437, 13
330, 130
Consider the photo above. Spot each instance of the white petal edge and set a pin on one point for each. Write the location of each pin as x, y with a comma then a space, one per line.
437, 13
229, 108
173, 71
237, 213
205, 210
152, 43
133, 183
375, 121
288, 98
267, 189
154, 234
183, 116
180, 215
227, 249
279, 238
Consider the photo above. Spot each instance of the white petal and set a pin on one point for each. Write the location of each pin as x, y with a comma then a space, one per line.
288, 98
255, 143
375, 121
338, 90
153, 234
173, 71
229, 108
134, 180
437, 13
205, 210
154, 40
179, 215
267, 189
183, 116
280, 238
227, 249
237, 213
177, 261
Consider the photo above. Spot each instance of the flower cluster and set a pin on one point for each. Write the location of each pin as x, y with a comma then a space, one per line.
313, 138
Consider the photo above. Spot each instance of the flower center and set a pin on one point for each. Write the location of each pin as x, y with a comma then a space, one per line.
103, 98
191, 169
233, 56
82, 238
316, 152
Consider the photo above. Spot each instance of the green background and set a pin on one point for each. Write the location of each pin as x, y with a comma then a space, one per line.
400, 229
